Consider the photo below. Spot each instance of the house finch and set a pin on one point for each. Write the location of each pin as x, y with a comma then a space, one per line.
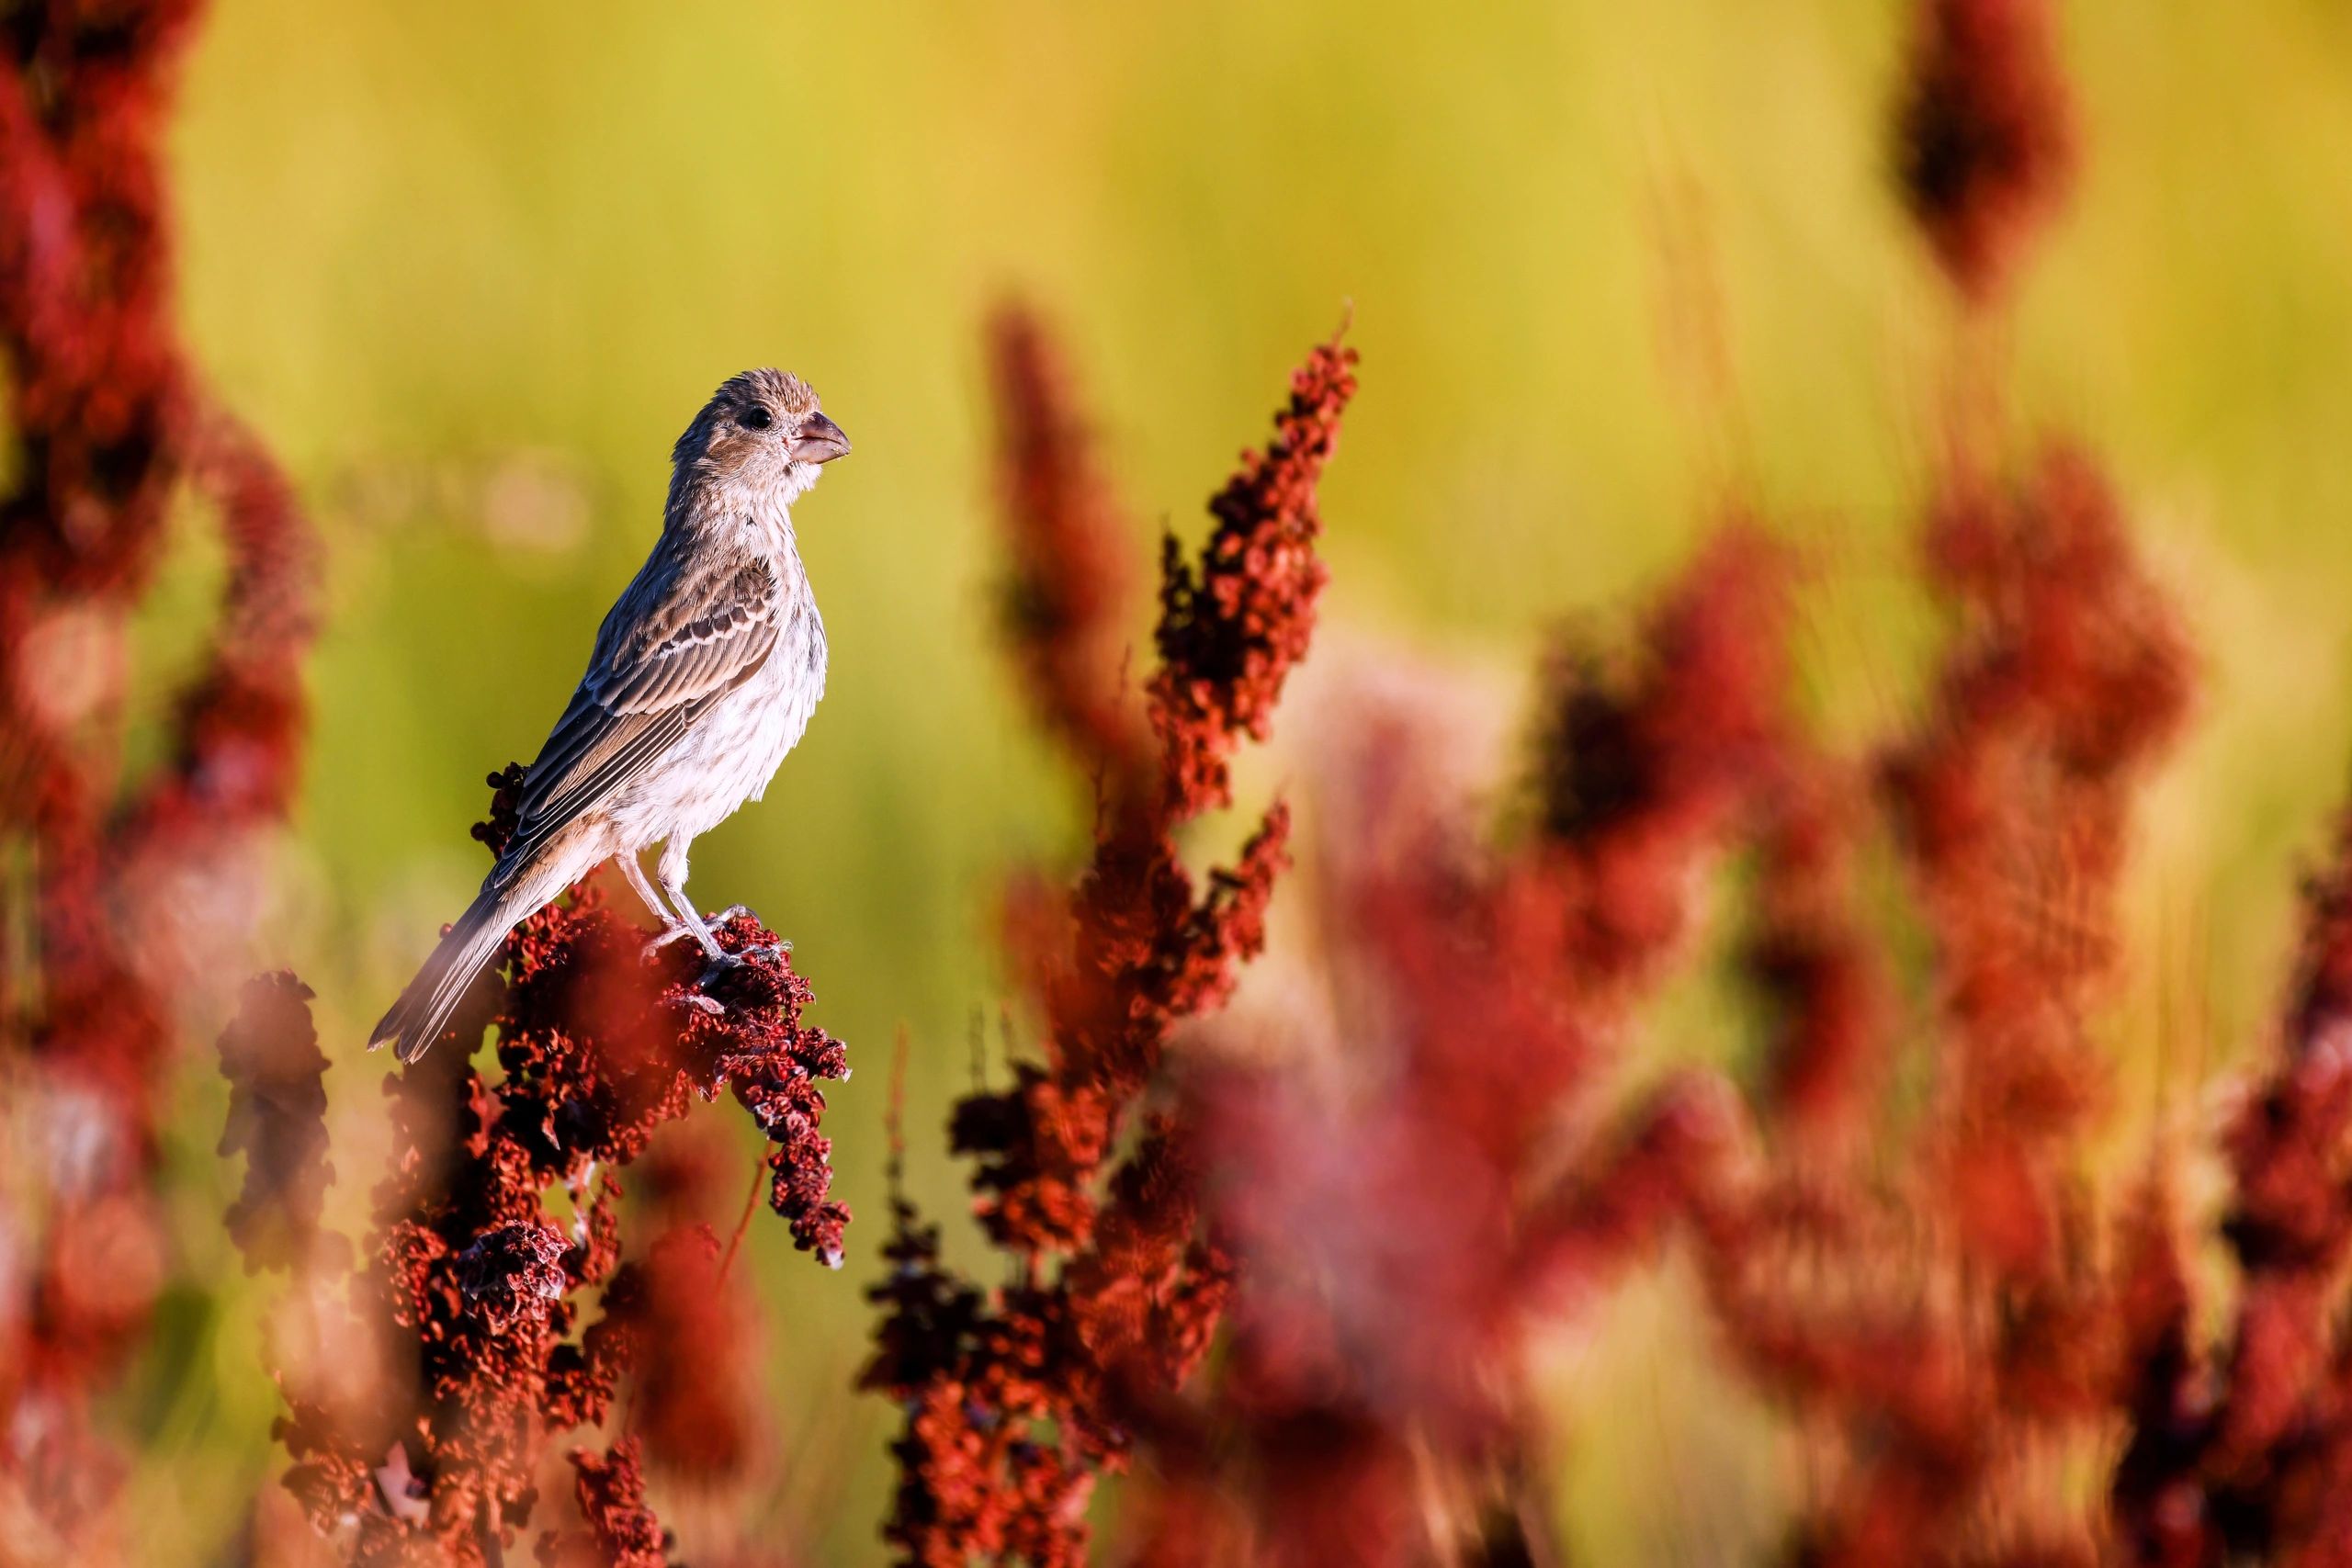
705, 674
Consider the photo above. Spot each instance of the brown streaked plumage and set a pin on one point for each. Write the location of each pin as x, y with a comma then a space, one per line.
704, 676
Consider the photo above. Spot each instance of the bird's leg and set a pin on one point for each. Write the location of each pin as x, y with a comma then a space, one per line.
672, 927
672, 869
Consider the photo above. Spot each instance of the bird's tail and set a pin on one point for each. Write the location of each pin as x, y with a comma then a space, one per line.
416, 1020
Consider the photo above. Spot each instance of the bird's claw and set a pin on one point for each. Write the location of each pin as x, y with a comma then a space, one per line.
700, 1003
721, 964
724, 961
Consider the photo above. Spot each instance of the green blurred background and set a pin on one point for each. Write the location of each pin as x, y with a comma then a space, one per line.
470, 267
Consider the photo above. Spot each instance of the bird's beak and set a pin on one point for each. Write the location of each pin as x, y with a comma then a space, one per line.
820, 440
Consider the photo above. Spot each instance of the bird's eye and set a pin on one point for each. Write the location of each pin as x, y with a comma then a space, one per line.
756, 418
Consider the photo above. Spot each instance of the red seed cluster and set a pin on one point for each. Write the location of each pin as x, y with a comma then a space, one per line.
619, 1530
111, 428
471, 1303
1016, 1398
512, 1274
1984, 136
1961, 1321
1231, 626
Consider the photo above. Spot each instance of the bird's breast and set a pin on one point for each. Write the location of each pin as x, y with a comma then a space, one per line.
760, 722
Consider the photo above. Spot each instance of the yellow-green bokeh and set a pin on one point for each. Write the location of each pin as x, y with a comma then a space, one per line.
467, 262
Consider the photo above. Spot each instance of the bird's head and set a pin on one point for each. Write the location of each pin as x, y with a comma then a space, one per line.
763, 431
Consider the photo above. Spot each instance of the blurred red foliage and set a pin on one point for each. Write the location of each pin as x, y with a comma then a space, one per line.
1954, 1318
1401, 1224
423, 1389
111, 427
1958, 1316
1954, 1314
1016, 1398
2067, 675
277, 1108
1815, 963
694, 1399
2244, 1452
1066, 594
1951, 1316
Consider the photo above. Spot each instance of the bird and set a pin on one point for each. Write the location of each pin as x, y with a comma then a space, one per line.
705, 674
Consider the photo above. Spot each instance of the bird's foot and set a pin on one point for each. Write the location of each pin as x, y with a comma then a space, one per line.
679, 930
723, 962
700, 1003
669, 934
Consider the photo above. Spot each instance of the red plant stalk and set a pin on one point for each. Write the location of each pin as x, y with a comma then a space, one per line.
1016, 1398
461, 1319
111, 428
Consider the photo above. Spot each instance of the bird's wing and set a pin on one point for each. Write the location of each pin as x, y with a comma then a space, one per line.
687, 632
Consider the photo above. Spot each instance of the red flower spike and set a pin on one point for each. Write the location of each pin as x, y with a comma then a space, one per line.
1232, 626
1016, 1399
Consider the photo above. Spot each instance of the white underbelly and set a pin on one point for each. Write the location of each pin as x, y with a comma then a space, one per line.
729, 757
